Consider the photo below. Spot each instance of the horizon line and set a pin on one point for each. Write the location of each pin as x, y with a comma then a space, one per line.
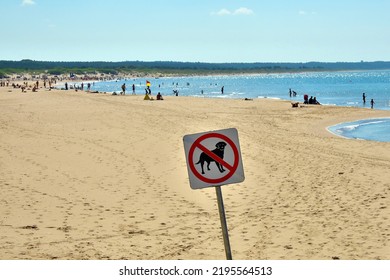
203, 62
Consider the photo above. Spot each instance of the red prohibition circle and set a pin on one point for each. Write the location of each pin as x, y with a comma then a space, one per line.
196, 145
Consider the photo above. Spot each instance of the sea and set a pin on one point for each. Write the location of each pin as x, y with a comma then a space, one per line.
342, 88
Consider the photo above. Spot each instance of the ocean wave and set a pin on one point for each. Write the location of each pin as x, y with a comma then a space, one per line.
272, 98
368, 129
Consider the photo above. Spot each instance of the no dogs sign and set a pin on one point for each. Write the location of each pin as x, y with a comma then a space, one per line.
213, 158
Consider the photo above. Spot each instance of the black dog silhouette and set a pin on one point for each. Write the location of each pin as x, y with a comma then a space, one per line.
219, 151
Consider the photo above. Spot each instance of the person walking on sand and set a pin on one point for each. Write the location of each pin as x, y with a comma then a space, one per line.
372, 103
124, 89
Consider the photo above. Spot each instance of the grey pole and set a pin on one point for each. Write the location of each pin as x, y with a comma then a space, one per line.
223, 223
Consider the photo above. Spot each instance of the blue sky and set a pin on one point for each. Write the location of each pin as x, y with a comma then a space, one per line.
195, 30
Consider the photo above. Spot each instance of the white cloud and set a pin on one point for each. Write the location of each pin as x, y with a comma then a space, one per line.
223, 12
243, 11
237, 12
28, 2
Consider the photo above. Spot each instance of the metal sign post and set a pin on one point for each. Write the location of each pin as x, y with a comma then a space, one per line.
222, 217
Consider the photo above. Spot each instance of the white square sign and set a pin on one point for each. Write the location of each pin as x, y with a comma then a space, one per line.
213, 158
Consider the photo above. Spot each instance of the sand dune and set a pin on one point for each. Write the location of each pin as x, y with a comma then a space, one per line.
95, 176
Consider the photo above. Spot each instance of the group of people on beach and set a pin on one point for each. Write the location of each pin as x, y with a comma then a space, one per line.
292, 93
25, 85
306, 100
124, 88
311, 100
4, 83
372, 102
77, 87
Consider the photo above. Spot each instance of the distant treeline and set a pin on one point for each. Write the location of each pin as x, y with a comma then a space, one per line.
172, 67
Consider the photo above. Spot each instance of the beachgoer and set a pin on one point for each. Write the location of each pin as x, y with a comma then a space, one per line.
133, 88
306, 99
222, 89
148, 97
364, 98
372, 103
290, 92
123, 89
159, 96
315, 101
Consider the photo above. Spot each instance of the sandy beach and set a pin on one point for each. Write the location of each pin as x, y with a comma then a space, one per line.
96, 176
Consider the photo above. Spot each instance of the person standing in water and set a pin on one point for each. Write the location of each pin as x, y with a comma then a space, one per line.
364, 98
372, 103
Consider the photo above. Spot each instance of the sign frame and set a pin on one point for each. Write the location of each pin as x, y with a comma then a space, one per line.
235, 170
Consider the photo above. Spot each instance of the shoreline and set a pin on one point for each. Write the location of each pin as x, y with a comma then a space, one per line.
233, 94
357, 122
88, 176
240, 88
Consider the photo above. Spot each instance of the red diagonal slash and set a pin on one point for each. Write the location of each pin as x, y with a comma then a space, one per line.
214, 156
